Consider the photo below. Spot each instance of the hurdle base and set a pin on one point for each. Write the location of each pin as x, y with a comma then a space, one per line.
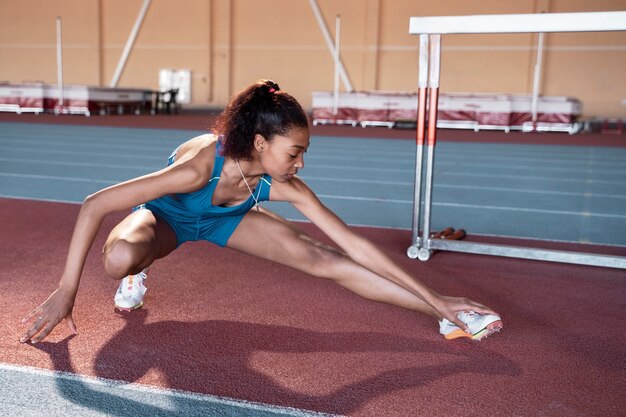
578, 258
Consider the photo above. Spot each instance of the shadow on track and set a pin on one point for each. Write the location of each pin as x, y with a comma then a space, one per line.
214, 357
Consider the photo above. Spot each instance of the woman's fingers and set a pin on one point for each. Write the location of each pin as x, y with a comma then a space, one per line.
48, 315
34, 329
482, 309
485, 311
459, 323
42, 327
44, 332
32, 314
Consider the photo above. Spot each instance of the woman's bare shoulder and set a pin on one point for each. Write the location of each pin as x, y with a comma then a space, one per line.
202, 146
198, 143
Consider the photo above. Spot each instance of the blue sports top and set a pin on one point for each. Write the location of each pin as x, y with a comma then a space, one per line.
198, 203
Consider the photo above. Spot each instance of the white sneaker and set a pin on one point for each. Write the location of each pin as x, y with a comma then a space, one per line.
129, 295
480, 325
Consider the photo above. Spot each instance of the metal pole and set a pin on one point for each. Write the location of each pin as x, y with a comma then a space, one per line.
537, 78
422, 84
433, 86
579, 258
60, 63
129, 43
337, 62
347, 85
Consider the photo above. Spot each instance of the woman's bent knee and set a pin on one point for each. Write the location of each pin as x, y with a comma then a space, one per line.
121, 258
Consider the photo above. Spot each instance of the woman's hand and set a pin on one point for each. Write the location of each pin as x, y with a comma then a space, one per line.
449, 307
50, 313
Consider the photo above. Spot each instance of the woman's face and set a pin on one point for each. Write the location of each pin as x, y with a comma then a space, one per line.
283, 156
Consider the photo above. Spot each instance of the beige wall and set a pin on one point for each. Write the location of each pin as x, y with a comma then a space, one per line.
230, 43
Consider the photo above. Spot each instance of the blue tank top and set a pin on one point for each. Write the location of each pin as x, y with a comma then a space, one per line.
198, 203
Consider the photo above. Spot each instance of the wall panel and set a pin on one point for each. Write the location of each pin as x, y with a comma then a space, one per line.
229, 43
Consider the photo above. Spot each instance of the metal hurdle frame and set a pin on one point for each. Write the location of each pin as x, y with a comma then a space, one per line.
430, 31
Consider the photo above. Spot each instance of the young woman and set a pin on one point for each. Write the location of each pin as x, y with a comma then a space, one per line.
210, 190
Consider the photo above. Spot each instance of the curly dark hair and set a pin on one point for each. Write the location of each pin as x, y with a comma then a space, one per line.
260, 108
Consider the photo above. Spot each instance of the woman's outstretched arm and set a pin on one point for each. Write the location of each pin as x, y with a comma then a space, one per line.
365, 253
182, 177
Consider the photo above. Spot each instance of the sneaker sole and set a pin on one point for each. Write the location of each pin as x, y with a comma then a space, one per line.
481, 334
488, 331
138, 306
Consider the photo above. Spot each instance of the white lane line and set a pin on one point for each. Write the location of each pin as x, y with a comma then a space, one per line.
600, 163
314, 166
354, 154
584, 169
57, 178
113, 155
355, 180
304, 177
468, 187
460, 156
79, 143
81, 164
446, 160
458, 205
511, 151
479, 206
47, 200
531, 177
379, 199
455, 155
117, 386
529, 191
372, 226
464, 174
360, 161
66, 130
532, 210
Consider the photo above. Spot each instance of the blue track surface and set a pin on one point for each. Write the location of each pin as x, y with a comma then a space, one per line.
566, 193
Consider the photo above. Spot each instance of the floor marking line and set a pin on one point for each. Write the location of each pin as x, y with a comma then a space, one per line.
47, 200
477, 206
529, 177
53, 177
531, 210
112, 155
89, 145
79, 164
465, 187
154, 390
304, 177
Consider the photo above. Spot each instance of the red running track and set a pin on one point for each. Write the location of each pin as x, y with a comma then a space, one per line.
223, 323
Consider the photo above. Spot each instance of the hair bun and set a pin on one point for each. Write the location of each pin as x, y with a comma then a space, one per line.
272, 87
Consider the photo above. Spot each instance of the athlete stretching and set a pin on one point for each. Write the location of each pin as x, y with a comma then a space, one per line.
210, 190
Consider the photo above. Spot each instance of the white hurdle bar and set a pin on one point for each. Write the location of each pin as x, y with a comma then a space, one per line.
430, 30
519, 23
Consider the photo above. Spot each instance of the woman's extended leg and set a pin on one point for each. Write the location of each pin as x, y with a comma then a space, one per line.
266, 235
136, 242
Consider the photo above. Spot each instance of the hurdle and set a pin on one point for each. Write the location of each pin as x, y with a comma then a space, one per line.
430, 31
